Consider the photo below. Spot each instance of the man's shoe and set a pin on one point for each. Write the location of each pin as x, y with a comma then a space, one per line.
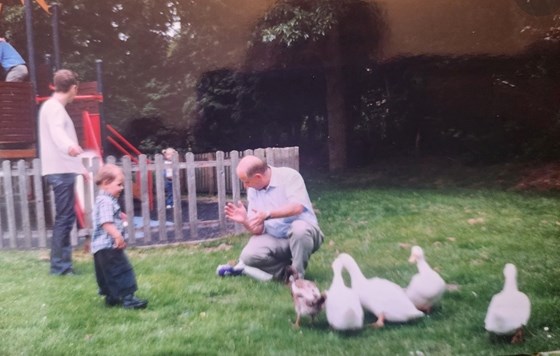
228, 270
111, 302
131, 302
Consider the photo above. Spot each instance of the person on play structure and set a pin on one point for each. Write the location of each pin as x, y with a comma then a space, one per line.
12, 62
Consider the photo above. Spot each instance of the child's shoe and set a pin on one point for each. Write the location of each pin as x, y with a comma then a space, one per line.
111, 302
131, 302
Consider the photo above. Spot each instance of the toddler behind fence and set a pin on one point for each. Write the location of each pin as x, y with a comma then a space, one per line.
168, 175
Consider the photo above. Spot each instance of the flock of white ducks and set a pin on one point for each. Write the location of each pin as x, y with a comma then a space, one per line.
508, 312
385, 299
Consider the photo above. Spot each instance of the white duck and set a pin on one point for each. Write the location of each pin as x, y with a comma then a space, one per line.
308, 299
342, 306
426, 287
509, 310
385, 299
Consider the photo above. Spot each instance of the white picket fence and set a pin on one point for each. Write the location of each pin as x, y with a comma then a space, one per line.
201, 189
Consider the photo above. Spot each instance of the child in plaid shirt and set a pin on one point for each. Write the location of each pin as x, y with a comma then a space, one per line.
114, 273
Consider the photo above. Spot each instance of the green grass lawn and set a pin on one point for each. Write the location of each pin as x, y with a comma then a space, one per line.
468, 233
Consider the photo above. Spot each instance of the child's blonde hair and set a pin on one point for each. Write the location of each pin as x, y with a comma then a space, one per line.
107, 174
169, 151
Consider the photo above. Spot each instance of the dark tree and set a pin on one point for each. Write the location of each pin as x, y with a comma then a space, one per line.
325, 35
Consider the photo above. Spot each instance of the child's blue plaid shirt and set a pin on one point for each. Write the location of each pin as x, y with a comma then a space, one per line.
106, 209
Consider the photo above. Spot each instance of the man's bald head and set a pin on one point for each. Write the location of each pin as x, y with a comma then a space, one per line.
253, 172
251, 165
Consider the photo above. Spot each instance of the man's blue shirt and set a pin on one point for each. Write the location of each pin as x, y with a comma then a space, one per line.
9, 57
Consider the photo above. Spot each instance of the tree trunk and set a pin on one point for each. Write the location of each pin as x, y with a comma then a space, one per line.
336, 119
336, 108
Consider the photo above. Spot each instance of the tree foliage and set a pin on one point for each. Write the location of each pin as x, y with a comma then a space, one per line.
309, 74
129, 36
329, 36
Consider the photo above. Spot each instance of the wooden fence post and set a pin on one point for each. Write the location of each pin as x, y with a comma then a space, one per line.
10, 206
160, 196
23, 203
144, 198
235, 186
129, 199
269, 156
39, 204
191, 188
177, 207
260, 152
221, 185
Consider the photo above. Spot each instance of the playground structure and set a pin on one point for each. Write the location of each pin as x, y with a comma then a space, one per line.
19, 106
23, 220
25, 207
18, 139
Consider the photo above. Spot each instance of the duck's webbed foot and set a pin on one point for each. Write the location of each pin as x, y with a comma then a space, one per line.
379, 323
518, 337
296, 324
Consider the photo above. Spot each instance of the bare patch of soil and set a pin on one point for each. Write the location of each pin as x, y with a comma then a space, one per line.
541, 178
